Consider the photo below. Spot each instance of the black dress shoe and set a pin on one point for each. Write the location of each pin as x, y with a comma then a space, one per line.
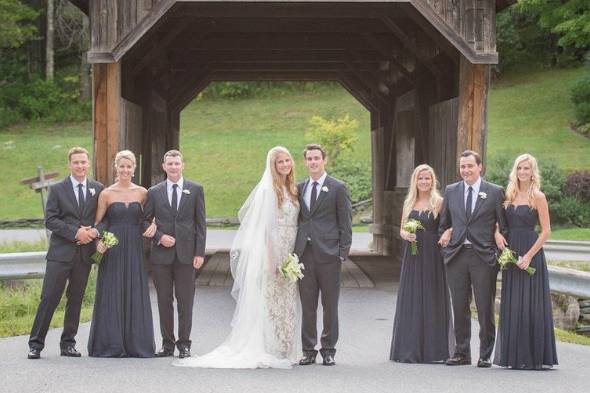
329, 360
34, 353
164, 353
458, 360
484, 363
70, 352
308, 358
184, 353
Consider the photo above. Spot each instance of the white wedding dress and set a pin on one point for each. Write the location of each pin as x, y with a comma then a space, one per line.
265, 319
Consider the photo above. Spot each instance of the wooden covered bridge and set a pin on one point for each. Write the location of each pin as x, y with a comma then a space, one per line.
420, 67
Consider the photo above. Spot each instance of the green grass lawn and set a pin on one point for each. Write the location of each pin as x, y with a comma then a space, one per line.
225, 142
580, 234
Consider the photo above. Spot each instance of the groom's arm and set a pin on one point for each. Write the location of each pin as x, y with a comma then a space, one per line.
54, 218
501, 213
445, 215
149, 211
200, 223
344, 212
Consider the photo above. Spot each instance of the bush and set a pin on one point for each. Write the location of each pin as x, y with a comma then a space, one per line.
337, 136
578, 185
357, 176
570, 210
581, 98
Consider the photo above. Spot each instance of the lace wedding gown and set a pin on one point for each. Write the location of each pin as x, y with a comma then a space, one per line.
265, 318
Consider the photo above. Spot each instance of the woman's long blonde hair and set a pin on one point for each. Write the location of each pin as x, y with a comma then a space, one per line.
434, 202
277, 181
514, 183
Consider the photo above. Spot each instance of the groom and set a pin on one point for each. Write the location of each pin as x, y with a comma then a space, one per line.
178, 248
323, 241
69, 215
472, 208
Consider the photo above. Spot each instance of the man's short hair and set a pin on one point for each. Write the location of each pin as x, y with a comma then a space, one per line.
475, 155
77, 150
172, 153
314, 146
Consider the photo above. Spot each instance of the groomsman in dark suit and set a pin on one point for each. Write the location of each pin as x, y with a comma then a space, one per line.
69, 215
472, 208
178, 248
324, 237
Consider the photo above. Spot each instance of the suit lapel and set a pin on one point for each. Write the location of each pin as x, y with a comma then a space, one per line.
461, 197
322, 196
183, 197
70, 194
479, 201
302, 196
164, 194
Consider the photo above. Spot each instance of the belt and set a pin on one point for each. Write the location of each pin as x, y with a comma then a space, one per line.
468, 245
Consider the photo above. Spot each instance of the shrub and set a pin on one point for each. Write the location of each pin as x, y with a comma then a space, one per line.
578, 185
581, 98
570, 210
357, 176
337, 136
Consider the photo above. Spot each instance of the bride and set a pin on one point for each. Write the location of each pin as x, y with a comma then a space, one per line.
263, 324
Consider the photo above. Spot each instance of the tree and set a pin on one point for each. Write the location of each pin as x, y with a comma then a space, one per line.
16, 23
49, 40
336, 136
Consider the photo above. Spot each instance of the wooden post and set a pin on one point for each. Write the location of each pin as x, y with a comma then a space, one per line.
378, 181
474, 83
106, 119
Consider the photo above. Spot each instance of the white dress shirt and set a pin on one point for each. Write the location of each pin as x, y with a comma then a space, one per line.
169, 188
307, 194
75, 185
474, 195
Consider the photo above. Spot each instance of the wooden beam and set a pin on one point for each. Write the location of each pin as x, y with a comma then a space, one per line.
106, 119
474, 84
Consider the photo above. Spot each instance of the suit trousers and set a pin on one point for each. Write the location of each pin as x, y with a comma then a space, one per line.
467, 274
175, 280
57, 275
319, 280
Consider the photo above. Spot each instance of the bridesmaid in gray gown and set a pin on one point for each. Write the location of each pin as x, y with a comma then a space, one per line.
122, 317
525, 333
422, 325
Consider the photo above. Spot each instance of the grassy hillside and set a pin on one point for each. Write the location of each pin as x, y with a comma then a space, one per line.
225, 142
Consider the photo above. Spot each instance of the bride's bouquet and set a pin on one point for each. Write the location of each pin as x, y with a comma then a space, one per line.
109, 240
291, 269
508, 256
412, 226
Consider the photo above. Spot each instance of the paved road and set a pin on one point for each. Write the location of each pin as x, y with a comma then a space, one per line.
363, 366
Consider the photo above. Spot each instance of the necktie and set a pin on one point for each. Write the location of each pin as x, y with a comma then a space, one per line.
174, 199
314, 195
469, 203
80, 195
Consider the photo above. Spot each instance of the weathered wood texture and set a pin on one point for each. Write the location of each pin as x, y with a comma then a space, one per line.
443, 144
474, 83
106, 118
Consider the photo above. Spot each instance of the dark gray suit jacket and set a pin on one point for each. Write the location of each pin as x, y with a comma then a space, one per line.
63, 218
481, 226
328, 224
189, 227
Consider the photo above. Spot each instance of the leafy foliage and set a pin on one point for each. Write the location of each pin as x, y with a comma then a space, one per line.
578, 185
337, 136
581, 99
357, 176
16, 25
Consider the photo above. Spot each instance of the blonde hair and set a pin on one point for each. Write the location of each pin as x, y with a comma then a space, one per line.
277, 181
77, 150
127, 154
435, 199
514, 183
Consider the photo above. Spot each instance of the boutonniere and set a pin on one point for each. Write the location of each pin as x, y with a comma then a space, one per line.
92, 191
187, 192
325, 189
483, 195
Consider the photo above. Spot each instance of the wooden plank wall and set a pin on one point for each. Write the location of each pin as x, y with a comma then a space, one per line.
442, 136
474, 20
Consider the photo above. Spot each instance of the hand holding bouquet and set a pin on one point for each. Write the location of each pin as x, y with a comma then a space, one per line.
108, 240
291, 269
508, 256
412, 226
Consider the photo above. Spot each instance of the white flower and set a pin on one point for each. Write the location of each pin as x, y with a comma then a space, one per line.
325, 189
92, 191
483, 195
187, 192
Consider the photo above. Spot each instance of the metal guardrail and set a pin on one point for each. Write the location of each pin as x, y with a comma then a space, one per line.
567, 250
569, 281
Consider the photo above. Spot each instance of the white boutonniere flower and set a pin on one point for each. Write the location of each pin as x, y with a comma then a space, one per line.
325, 189
92, 191
187, 192
483, 195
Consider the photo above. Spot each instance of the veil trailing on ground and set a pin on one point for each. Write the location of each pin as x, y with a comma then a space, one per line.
253, 255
